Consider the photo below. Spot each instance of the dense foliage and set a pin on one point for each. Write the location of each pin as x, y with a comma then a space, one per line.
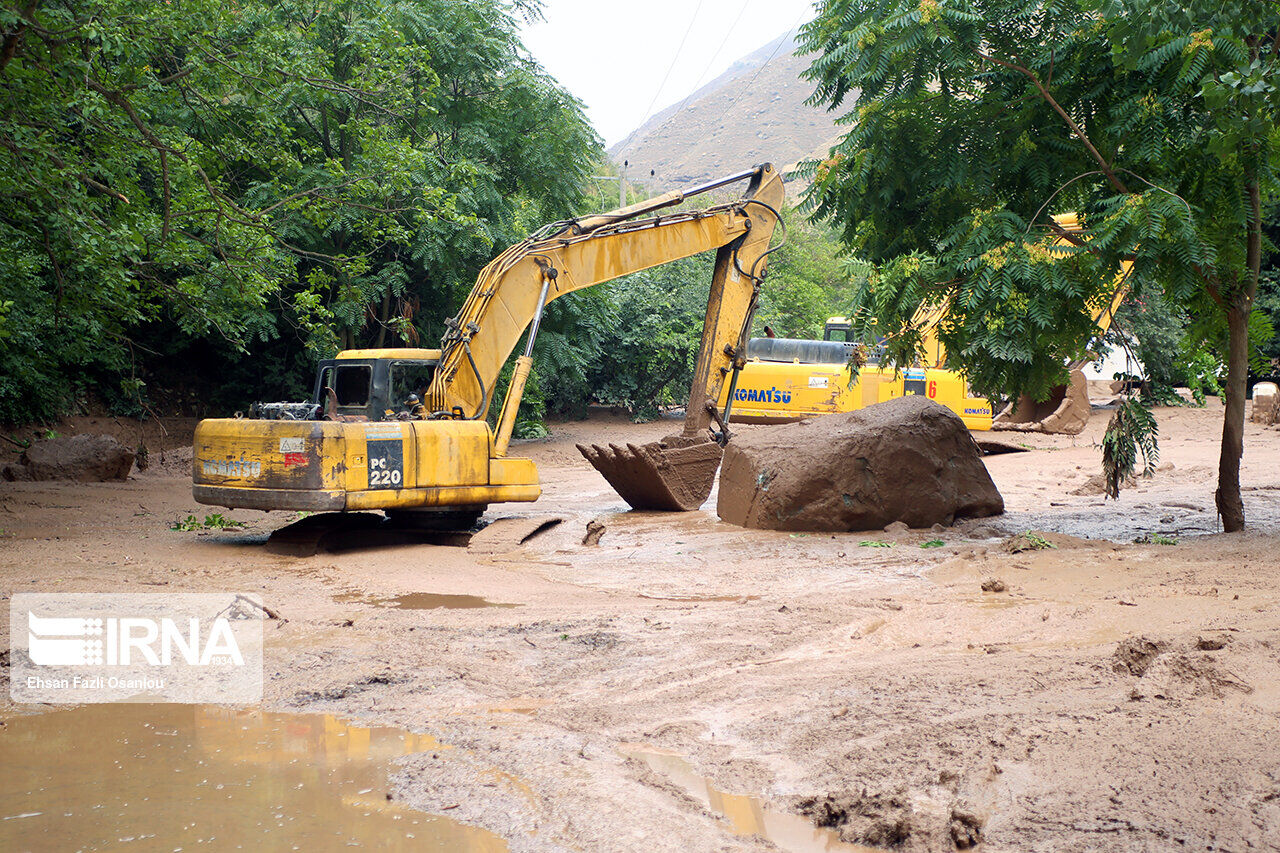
210, 195
974, 120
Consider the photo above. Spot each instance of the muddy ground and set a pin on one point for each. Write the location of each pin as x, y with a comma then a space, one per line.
1096, 695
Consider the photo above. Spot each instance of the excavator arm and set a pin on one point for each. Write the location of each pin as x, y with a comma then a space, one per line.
513, 290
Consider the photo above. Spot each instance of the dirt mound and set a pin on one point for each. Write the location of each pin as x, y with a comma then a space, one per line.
83, 458
894, 820
1135, 655
175, 462
908, 460
1186, 668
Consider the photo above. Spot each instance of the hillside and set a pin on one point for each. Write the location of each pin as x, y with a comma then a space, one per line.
752, 113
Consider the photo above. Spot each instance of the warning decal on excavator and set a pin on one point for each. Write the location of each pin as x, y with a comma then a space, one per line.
386, 464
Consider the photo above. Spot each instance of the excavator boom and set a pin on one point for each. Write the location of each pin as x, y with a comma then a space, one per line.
512, 292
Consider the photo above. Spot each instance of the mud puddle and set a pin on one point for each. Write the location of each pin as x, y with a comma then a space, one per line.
172, 777
425, 601
746, 815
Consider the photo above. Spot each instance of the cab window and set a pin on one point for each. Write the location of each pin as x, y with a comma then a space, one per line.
410, 377
350, 384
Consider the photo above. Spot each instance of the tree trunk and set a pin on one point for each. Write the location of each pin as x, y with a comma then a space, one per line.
1230, 505
384, 316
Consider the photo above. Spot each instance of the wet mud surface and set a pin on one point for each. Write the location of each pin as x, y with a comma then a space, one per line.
166, 777
1037, 681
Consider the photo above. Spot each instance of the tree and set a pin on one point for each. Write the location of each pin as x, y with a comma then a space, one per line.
195, 176
976, 119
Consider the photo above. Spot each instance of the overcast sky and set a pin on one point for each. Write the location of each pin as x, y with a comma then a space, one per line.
615, 54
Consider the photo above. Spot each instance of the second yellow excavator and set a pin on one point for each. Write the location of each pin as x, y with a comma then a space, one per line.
405, 431
788, 379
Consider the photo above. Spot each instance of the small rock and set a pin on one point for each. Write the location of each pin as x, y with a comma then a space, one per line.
898, 527
938, 528
594, 531
993, 585
1210, 644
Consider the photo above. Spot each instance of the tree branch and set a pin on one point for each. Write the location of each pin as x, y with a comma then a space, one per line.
11, 40
1075, 128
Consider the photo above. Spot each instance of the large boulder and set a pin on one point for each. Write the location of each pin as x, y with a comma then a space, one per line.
908, 459
86, 458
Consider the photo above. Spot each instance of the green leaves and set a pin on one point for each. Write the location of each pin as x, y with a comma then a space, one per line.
1131, 432
237, 172
974, 122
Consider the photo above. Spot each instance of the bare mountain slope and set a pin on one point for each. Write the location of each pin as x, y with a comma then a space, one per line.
752, 113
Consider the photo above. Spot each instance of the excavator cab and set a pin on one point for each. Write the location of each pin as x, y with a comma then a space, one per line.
374, 385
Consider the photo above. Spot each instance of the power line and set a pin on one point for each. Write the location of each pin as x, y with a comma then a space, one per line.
694, 90
716, 55
672, 66
786, 38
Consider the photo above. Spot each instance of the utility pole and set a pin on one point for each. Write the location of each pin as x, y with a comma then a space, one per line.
621, 178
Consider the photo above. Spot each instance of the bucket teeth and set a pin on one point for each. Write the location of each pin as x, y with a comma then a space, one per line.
667, 475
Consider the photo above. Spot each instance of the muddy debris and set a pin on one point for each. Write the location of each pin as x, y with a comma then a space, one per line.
1030, 540
993, 585
1211, 643
1134, 655
83, 458
906, 460
891, 820
595, 529
504, 535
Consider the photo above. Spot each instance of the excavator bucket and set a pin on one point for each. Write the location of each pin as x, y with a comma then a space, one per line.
674, 474
1066, 412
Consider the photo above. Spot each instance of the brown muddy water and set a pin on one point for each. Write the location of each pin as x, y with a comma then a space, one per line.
182, 777
746, 814
425, 601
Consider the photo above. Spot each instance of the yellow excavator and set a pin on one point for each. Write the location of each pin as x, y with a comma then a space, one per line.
787, 379
405, 430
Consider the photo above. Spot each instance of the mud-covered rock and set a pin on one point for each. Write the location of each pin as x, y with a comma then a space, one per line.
908, 459
1134, 655
84, 458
